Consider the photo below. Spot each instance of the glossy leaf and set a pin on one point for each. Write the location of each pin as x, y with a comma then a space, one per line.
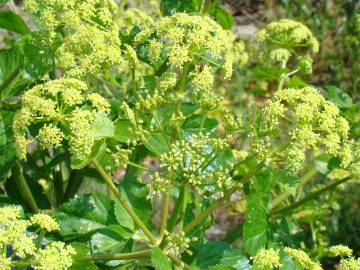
102, 126
13, 22
123, 217
124, 131
159, 260
110, 240
339, 97
157, 144
222, 17
79, 259
85, 215
193, 123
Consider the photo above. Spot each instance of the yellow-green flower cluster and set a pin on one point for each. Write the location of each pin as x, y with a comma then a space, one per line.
55, 256
303, 259
14, 235
285, 39
190, 37
45, 222
157, 185
88, 51
178, 243
350, 264
121, 156
266, 259
341, 250
314, 124
131, 17
347, 262
66, 109
90, 36
231, 122
189, 159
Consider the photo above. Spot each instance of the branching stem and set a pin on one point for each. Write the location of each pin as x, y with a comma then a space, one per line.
122, 199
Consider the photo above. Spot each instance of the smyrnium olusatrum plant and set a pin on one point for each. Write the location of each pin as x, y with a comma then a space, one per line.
118, 136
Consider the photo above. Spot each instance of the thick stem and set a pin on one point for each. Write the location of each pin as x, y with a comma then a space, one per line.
121, 256
122, 199
73, 185
175, 212
205, 213
24, 188
308, 198
164, 215
303, 180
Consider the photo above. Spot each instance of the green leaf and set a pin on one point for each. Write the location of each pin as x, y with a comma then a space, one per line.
159, 260
102, 126
255, 226
79, 259
13, 22
136, 193
12, 79
7, 145
3, 2
37, 59
267, 73
85, 215
210, 254
149, 82
170, 7
124, 131
256, 221
157, 144
164, 113
123, 217
110, 240
339, 97
193, 123
222, 267
222, 17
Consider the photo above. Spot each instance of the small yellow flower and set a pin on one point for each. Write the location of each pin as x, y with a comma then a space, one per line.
45, 222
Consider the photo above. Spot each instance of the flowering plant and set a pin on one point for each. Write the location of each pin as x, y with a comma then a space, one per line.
113, 122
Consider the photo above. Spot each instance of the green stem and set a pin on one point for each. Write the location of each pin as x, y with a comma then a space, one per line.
24, 188
176, 211
73, 185
202, 123
9, 79
139, 166
180, 263
206, 6
58, 184
308, 198
303, 180
122, 199
165, 212
205, 213
181, 84
121, 256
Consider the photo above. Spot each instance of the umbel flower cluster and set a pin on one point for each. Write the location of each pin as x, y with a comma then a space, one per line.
19, 246
191, 160
90, 40
312, 122
61, 109
186, 40
287, 40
